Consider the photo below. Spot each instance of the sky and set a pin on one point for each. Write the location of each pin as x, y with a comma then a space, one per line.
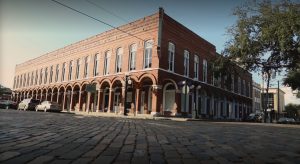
31, 28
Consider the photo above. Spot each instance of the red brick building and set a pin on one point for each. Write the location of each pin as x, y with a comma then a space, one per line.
156, 53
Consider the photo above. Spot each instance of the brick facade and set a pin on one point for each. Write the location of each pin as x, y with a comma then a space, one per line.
155, 73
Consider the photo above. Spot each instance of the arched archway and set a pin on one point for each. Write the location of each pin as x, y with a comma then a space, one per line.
118, 97
60, 97
49, 94
146, 94
105, 96
75, 100
68, 98
169, 104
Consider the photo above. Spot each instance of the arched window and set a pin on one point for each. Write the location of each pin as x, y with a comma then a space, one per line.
86, 66
118, 65
57, 73
148, 54
106, 63
51, 74
96, 61
171, 49
32, 77
204, 71
36, 77
186, 63
132, 57
196, 67
77, 68
46, 75
70, 70
63, 71
41, 76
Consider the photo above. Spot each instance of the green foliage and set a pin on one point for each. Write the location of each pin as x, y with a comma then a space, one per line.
293, 80
292, 110
266, 36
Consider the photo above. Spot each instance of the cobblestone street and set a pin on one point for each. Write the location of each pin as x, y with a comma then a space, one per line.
38, 137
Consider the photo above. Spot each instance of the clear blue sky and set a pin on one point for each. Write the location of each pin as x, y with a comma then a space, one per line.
30, 28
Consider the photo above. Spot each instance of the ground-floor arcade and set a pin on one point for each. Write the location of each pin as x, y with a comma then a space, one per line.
146, 93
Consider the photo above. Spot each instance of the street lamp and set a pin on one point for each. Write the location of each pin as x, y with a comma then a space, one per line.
127, 81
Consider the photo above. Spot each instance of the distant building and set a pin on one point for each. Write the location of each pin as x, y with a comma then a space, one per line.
5, 93
273, 100
256, 92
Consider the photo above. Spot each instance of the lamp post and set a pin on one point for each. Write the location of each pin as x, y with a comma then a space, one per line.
127, 81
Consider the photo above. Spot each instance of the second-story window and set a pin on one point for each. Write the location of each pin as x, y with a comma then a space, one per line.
70, 70
186, 63
86, 66
118, 66
36, 77
41, 76
106, 63
132, 57
77, 68
32, 78
171, 50
28, 79
63, 71
51, 74
46, 75
56, 72
204, 71
96, 61
148, 54
196, 67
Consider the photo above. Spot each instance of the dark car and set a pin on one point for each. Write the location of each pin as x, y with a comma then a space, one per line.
285, 120
8, 104
255, 117
28, 104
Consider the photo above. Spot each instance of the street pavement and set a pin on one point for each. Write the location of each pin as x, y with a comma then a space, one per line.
39, 137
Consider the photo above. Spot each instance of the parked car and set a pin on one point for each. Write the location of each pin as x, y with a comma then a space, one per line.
28, 104
255, 117
285, 120
8, 104
48, 106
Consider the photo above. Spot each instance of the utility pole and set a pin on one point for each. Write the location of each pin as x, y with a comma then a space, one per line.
278, 105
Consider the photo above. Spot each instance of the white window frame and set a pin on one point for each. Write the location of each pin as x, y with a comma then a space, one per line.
57, 73
204, 71
118, 64
70, 70
171, 56
106, 62
148, 54
86, 67
96, 61
196, 67
132, 56
186, 63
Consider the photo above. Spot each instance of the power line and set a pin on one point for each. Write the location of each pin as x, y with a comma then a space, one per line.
96, 19
110, 12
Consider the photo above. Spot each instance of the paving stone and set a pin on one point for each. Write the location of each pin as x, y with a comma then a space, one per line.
7, 155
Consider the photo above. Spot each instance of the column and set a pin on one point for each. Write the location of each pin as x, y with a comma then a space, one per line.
64, 100
156, 106
87, 107
79, 99
137, 101
51, 96
110, 100
71, 101
98, 101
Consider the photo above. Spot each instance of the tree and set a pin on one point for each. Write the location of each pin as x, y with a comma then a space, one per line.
292, 110
293, 80
265, 38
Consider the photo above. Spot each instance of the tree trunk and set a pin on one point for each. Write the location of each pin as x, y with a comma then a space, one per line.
267, 96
